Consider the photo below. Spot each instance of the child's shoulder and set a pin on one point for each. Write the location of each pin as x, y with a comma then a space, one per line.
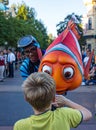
22, 124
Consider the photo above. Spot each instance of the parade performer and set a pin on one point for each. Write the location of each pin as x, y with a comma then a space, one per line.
63, 60
33, 54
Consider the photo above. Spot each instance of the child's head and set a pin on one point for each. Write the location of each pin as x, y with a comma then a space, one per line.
39, 90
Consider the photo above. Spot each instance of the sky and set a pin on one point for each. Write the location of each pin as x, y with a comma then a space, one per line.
51, 12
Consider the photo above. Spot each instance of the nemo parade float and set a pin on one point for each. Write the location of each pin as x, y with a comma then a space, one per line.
63, 60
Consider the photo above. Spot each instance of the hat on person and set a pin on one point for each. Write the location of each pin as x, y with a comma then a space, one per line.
26, 41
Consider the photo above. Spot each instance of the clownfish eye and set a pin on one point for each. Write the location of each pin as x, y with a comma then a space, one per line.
68, 72
47, 69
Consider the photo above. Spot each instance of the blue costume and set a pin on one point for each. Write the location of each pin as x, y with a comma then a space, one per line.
28, 66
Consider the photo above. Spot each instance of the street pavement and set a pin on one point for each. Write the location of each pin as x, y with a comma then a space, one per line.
13, 106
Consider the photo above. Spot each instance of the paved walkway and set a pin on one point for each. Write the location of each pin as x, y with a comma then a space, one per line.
12, 84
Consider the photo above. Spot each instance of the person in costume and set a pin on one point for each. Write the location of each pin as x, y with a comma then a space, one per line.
63, 60
39, 92
33, 54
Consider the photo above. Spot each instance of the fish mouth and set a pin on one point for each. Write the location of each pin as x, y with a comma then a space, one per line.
63, 92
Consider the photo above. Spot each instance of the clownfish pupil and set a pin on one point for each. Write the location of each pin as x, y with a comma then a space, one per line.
67, 75
68, 72
46, 71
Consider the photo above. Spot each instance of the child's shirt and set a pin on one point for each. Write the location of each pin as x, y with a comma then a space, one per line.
59, 119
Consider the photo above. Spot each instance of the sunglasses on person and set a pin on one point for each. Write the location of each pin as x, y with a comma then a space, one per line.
33, 48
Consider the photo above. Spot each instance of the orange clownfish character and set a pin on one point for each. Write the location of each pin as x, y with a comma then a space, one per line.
63, 60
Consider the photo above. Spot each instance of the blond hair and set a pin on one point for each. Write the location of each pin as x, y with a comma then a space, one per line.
39, 90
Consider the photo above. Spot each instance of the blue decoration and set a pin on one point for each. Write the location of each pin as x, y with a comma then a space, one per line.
3, 7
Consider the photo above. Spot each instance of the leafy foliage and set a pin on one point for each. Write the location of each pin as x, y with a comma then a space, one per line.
25, 23
62, 25
5, 2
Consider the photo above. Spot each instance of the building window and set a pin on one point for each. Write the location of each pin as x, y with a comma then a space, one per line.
89, 23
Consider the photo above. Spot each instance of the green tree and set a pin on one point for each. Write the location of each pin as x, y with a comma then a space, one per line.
25, 12
25, 23
5, 2
22, 12
3, 28
32, 25
62, 25
51, 38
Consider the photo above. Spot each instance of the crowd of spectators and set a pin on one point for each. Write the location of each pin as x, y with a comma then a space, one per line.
9, 61
7, 67
91, 80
